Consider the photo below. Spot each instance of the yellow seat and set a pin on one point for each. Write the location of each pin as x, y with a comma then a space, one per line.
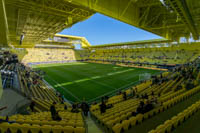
68, 129
14, 127
122, 117
28, 121
117, 128
161, 109
165, 106
139, 118
57, 129
63, 123
132, 121
150, 113
181, 117
46, 128
25, 128
36, 122
160, 129
20, 120
35, 128
71, 123
128, 114
157, 110
103, 120
4, 127
79, 130
14, 117
117, 120
146, 115
110, 123
175, 121
125, 124
79, 124
168, 125
54, 123
44, 122
152, 131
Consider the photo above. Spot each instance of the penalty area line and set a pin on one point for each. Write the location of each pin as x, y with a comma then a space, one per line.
67, 91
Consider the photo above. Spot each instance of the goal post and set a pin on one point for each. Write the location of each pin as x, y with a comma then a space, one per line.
144, 76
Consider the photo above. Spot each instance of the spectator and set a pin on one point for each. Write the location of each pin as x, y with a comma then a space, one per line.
136, 90
54, 113
75, 108
141, 103
32, 105
103, 107
145, 96
148, 107
65, 107
152, 93
85, 108
61, 99
119, 93
132, 93
134, 113
28, 84
124, 95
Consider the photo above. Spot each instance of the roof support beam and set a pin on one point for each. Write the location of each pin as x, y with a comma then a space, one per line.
180, 6
3, 25
125, 9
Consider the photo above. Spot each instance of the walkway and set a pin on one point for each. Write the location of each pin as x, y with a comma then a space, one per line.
92, 126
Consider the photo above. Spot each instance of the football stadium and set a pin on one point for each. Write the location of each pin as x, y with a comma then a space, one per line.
55, 79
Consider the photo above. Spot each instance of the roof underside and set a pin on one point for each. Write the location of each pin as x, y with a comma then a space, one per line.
144, 42
170, 19
39, 19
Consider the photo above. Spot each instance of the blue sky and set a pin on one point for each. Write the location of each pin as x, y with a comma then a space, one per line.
100, 29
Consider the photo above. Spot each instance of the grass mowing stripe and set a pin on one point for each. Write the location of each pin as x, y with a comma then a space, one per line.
90, 85
92, 78
66, 90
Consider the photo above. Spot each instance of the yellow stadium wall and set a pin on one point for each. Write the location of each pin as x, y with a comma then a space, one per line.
20, 53
48, 54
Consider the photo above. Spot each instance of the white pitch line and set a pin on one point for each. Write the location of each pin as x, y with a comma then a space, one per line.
92, 78
65, 89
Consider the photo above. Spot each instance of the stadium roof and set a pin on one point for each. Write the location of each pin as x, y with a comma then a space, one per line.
153, 41
35, 20
171, 19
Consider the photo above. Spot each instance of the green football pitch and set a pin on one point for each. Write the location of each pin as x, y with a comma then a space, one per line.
78, 81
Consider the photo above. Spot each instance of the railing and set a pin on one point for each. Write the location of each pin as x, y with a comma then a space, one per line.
49, 62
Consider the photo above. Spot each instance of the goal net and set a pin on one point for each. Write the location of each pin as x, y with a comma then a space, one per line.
144, 76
